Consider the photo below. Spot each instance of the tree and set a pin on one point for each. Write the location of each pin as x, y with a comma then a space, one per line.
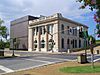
93, 4
3, 31
3, 35
1, 21
92, 42
92, 39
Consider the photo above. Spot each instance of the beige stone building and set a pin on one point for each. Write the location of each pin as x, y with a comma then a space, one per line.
54, 33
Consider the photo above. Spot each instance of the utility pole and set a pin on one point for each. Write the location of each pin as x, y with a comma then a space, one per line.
52, 44
13, 54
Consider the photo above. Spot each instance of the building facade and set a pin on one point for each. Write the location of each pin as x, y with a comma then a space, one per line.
54, 33
19, 32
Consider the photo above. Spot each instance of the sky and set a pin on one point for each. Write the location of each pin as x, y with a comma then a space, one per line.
13, 9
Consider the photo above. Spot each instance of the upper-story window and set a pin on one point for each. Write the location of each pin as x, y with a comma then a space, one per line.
68, 30
75, 31
33, 31
40, 30
50, 29
36, 30
43, 30
62, 29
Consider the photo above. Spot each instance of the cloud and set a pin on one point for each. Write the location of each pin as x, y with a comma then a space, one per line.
12, 9
36, 7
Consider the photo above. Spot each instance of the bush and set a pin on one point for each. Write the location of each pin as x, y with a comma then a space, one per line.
4, 44
7, 44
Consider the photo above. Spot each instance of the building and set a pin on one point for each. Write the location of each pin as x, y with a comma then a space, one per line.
19, 32
54, 33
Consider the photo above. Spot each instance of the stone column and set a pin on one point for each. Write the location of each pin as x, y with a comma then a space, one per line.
38, 40
46, 43
30, 39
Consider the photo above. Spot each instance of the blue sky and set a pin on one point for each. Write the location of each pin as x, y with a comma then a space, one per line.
13, 9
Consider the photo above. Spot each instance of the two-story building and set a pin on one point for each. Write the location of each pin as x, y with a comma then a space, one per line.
54, 33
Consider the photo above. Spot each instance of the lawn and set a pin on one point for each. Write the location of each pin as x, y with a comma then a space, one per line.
81, 69
97, 41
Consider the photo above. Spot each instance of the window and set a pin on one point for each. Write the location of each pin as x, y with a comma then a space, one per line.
35, 44
48, 28
51, 28
62, 43
79, 43
42, 44
68, 43
68, 30
75, 31
33, 31
62, 28
75, 43
36, 30
41, 30
71, 30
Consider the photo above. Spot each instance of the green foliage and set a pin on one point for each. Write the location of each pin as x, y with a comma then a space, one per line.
3, 31
93, 4
98, 26
97, 41
92, 39
2, 44
83, 34
3, 35
7, 44
81, 69
1, 21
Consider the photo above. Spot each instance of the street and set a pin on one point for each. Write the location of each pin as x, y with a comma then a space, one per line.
29, 60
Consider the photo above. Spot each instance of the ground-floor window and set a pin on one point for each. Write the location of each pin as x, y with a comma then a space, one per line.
75, 43
68, 43
62, 43
79, 43
35, 44
42, 44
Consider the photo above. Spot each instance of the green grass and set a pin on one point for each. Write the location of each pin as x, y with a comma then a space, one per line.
81, 69
97, 41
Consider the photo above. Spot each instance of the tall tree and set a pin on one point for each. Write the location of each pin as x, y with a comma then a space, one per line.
93, 4
1, 21
3, 30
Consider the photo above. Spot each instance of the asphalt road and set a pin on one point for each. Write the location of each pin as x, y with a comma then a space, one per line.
29, 60
34, 60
